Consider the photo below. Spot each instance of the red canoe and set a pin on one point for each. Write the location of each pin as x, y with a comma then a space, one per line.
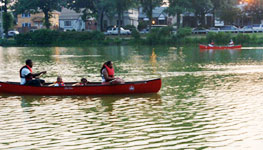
95, 88
220, 47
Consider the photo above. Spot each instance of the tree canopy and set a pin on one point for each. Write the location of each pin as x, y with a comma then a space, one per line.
178, 7
148, 6
34, 6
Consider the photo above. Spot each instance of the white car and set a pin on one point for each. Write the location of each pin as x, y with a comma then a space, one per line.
12, 33
114, 31
257, 26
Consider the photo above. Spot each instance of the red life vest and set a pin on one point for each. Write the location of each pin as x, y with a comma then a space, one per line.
110, 71
28, 78
60, 83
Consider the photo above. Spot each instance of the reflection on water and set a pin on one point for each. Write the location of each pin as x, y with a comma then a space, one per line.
209, 100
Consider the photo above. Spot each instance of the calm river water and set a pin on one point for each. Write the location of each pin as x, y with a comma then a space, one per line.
209, 100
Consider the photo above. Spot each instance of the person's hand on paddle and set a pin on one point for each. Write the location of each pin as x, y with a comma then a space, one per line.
43, 72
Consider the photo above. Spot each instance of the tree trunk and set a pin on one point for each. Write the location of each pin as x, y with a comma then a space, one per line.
178, 20
214, 18
202, 20
196, 19
101, 21
4, 17
150, 15
47, 23
119, 22
5, 6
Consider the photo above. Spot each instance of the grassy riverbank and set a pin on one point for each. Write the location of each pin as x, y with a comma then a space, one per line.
163, 36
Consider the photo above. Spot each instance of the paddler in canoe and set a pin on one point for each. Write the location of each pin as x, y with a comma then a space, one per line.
212, 44
28, 77
107, 74
231, 43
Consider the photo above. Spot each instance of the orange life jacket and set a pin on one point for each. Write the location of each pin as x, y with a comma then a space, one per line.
60, 83
110, 71
28, 78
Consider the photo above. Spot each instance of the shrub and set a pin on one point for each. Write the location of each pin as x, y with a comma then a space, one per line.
241, 39
50, 37
183, 32
135, 34
160, 35
129, 27
219, 38
142, 25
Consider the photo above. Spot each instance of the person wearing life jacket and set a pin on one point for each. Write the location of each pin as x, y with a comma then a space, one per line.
212, 44
107, 74
59, 82
83, 82
28, 77
231, 43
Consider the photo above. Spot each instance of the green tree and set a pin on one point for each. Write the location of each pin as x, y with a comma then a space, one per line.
148, 6
201, 8
178, 7
222, 7
86, 7
104, 7
8, 22
92, 8
121, 6
7, 17
229, 15
254, 9
34, 6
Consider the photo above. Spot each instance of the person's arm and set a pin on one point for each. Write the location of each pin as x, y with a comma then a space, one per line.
106, 76
38, 74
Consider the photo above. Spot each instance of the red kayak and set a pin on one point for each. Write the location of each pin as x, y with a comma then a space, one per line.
94, 88
220, 47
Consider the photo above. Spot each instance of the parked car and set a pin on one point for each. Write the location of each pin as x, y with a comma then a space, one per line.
199, 30
247, 29
214, 29
144, 31
114, 31
257, 26
229, 28
12, 33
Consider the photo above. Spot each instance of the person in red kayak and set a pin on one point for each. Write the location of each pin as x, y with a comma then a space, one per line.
28, 77
107, 74
212, 44
231, 43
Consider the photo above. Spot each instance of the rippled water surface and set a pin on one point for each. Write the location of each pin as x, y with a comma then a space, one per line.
209, 100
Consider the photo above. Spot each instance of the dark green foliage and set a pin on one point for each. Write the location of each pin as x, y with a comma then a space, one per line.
180, 36
49, 37
218, 38
39, 37
5, 42
148, 6
142, 25
242, 38
8, 22
160, 36
46, 6
135, 34
183, 32
129, 27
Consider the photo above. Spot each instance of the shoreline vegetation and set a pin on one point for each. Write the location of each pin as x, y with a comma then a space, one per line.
162, 36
